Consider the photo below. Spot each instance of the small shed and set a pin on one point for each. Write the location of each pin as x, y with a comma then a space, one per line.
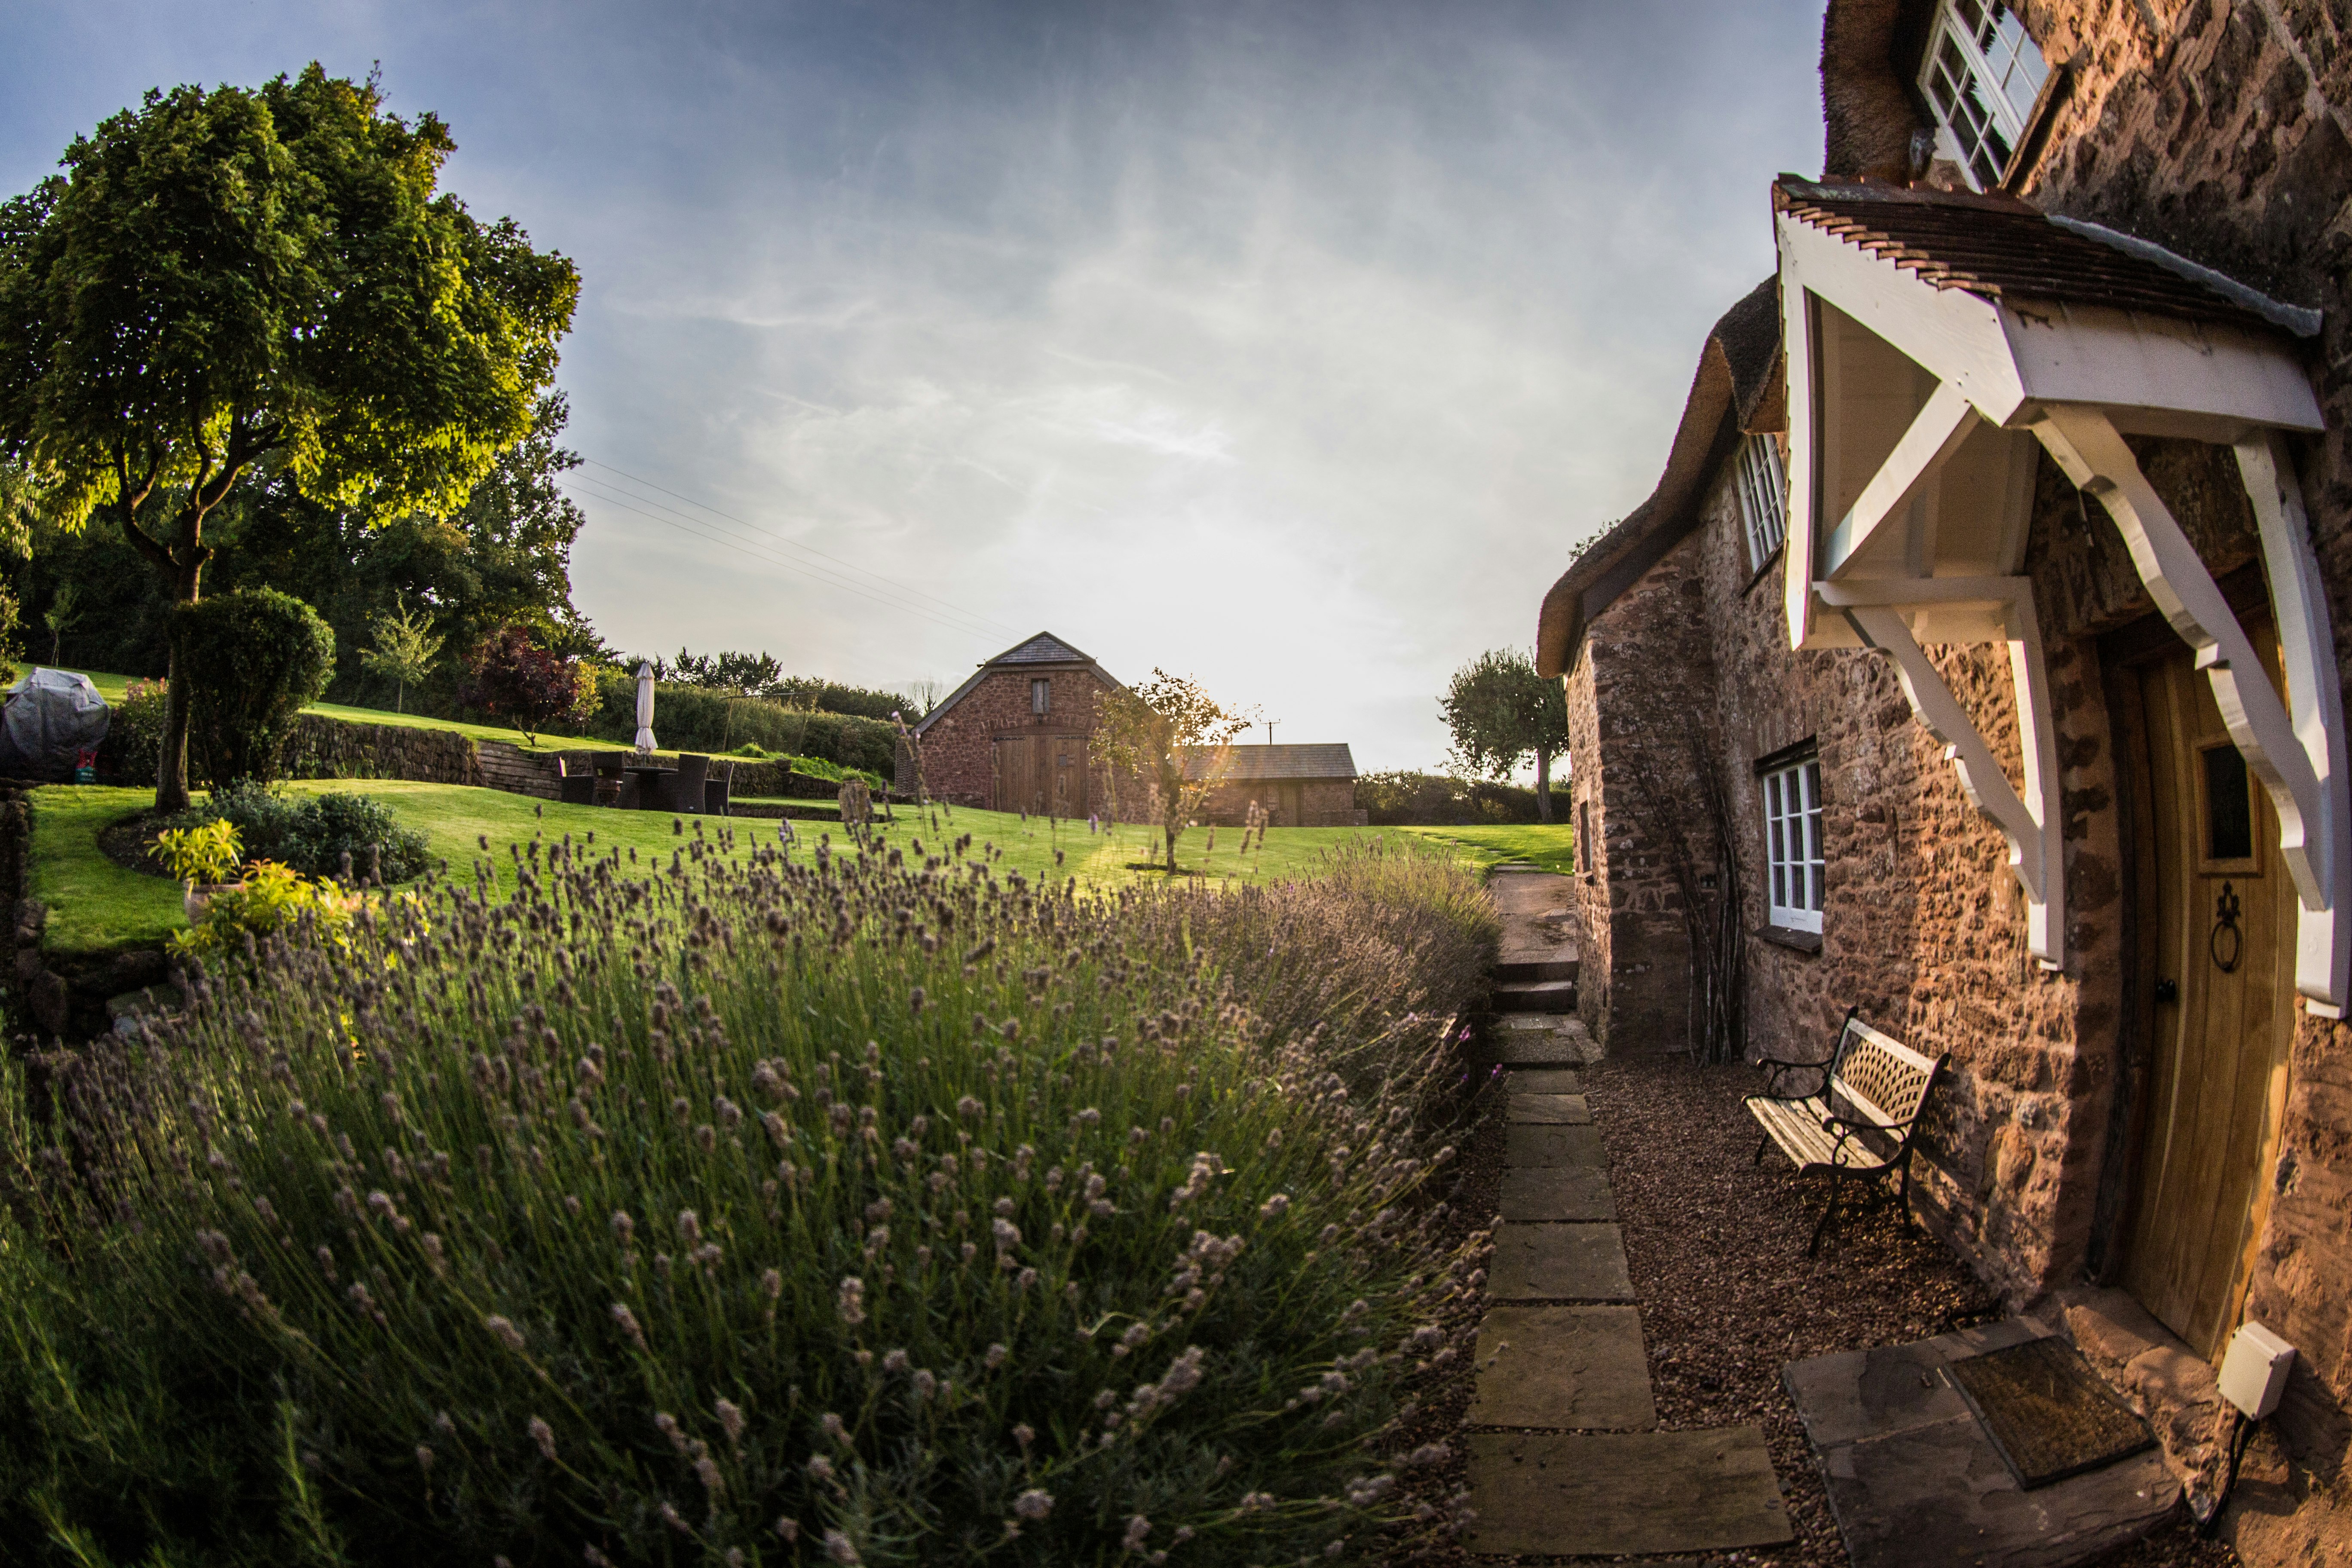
1307, 785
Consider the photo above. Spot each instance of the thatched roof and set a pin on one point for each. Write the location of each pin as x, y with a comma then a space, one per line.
1737, 388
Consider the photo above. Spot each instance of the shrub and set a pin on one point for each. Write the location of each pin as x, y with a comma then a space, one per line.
847, 1213
528, 685
252, 659
688, 719
273, 898
314, 833
207, 852
1405, 798
134, 733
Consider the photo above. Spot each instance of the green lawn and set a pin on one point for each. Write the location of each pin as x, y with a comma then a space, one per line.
1548, 845
96, 905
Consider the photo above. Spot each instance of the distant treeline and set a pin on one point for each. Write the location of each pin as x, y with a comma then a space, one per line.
759, 675
1404, 799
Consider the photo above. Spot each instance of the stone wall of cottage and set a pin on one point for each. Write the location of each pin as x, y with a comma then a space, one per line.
2225, 132
1641, 710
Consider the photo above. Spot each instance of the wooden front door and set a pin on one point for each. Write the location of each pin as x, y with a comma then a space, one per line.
2217, 923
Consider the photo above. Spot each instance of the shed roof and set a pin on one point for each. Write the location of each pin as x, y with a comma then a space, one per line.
1044, 649
1275, 764
1997, 246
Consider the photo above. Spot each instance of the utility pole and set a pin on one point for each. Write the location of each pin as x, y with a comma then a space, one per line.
1270, 724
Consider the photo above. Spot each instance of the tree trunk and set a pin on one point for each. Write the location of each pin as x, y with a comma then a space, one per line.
172, 764
1543, 783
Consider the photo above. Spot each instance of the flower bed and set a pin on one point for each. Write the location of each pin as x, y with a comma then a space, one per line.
756, 1212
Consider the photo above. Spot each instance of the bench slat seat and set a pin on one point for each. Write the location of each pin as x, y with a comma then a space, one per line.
1871, 1096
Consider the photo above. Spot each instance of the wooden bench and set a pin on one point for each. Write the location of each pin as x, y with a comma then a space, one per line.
1873, 1093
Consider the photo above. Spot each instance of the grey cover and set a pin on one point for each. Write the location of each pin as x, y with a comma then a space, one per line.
52, 716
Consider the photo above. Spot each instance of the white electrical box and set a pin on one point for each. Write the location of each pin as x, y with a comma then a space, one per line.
2253, 1375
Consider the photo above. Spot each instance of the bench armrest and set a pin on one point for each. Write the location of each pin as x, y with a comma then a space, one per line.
1850, 1131
1775, 1067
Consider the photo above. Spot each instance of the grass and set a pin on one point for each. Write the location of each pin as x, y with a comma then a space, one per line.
96, 906
1549, 846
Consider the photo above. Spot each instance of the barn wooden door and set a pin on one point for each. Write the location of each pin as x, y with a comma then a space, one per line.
2218, 924
1070, 775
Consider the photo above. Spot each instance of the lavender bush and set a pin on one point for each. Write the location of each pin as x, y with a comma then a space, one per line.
750, 1213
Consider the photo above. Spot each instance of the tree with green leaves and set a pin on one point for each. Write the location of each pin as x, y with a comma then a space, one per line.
405, 648
1500, 712
1174, 736
241, 281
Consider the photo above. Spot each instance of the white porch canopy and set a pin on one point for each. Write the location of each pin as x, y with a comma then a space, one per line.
1932, 340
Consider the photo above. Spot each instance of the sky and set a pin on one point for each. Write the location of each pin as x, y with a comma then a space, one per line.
1292, 346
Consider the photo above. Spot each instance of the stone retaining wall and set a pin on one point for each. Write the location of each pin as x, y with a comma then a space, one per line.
328, 748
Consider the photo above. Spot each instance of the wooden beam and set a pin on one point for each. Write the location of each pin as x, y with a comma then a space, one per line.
1918, 457
2299, 774
2035, 856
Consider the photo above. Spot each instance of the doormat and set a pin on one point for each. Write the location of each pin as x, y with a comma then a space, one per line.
2046, 1411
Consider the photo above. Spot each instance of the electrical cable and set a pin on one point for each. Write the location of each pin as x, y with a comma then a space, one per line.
805, 548
2240, 1436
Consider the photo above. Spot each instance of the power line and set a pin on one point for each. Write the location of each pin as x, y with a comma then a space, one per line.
805, 548
688, 525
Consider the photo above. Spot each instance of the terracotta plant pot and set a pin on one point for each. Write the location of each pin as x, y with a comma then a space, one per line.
200, 895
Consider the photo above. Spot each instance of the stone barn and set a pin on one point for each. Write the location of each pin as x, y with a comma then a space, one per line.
1978, 661
1308, 786
1014, 737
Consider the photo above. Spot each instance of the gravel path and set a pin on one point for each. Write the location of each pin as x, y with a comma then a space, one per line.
1716, 1248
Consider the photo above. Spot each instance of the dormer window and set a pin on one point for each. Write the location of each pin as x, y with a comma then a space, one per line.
1763, 498
1982, 74
1041, 696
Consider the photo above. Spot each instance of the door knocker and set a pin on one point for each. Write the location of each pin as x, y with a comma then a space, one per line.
2225, 924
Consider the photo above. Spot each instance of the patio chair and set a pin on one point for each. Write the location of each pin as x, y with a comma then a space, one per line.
612, 784
686, 785
715, 791
575, 780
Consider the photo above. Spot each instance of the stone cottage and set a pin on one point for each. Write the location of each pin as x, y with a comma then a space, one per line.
1305, 786
1994, 593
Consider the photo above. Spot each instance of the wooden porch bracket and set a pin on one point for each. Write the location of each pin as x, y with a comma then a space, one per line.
2300, 756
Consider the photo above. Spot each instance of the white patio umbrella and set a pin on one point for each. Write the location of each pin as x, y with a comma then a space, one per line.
645, 741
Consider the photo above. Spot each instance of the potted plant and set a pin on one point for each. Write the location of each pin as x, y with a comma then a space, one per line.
203, 858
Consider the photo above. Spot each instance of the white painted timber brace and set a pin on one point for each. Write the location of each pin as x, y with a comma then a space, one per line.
2300, 755
2028, 819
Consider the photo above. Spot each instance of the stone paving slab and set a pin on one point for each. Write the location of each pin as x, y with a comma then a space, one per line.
1528, 1147
1550, 1110
1559, 1192
1594, 1494
1544, 1080
1558, 1263
1856, 1394
1563, 1366
1939, 1496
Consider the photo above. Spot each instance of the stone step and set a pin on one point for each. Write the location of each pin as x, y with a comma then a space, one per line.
1622, 1493
1537, 996
1558, 1193
1575, 1367
1520, 970
1528, 1147
1558, 1263
1543, 1080
1550, 1110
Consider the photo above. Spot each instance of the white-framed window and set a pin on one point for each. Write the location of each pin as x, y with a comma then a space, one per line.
1792, 844
1041, 696
1982, 73
1763, 498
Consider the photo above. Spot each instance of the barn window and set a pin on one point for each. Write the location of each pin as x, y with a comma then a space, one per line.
1041, 696
1982, 73
1792, 844
1763, 498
